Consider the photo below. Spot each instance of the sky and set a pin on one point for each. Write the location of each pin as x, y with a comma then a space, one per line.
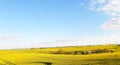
46, 23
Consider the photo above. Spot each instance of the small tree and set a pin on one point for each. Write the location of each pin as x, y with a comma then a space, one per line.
60, 51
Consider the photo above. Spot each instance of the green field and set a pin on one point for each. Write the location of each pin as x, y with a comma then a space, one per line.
50, 56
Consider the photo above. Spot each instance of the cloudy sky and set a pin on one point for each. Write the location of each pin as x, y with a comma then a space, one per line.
42, 23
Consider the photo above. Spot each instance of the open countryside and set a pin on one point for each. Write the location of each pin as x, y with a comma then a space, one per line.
87, 55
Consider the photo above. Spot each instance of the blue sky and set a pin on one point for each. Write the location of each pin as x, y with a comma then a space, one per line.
29, 22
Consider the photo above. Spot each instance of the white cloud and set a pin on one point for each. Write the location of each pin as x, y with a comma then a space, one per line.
111, 8
82, 42
113, 24
6, 36
3, 36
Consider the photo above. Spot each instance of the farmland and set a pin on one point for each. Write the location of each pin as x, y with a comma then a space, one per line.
49, 56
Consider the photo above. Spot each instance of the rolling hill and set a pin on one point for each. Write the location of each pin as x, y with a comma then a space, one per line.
102, 55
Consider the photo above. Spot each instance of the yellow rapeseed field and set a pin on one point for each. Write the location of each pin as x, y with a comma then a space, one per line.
43, 56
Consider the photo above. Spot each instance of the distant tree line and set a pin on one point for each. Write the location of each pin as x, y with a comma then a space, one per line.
61, 51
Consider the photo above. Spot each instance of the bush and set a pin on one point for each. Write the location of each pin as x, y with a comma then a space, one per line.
60, 51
